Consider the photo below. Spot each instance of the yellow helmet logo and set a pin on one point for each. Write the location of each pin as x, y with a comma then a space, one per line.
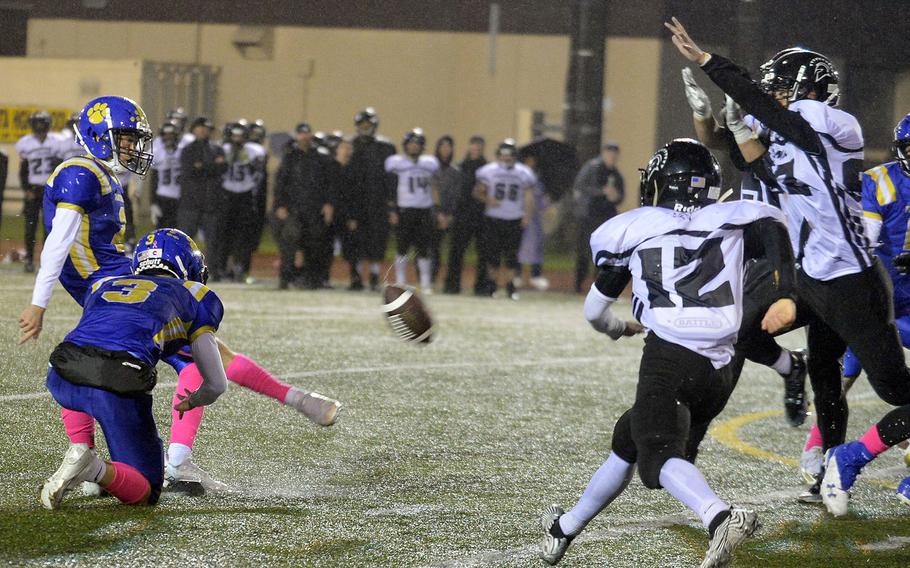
97, 112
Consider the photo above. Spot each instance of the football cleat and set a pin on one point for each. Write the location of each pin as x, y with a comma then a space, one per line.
811, 463
903, 491
813, 494
90, 489
320, 409
512, 289
740, 525
540, 283
190, 478
79, 463
795, 389
553, 547
842, 466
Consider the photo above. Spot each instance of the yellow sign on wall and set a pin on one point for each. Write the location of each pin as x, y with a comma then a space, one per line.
14, 120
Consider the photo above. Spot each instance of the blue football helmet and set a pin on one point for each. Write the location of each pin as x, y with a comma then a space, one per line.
109, 123
901, 144
171, 251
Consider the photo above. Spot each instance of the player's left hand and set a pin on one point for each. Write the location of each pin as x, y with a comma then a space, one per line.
184, 404
30, 322
633, 328
779, 316
684, 43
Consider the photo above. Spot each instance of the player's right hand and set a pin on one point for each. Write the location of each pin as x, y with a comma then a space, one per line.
281, 213
696, 96
30, 322
902, 263
779, 316
633, 328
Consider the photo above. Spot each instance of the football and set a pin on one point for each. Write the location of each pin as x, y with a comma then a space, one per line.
407, 315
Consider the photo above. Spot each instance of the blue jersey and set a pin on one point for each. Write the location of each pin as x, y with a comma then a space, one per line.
149, 316
84, 185
886, 198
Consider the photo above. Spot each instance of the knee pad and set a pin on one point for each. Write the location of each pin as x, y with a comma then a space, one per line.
623, 445
649, 464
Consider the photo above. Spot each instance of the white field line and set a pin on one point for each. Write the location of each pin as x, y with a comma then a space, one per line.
378, 369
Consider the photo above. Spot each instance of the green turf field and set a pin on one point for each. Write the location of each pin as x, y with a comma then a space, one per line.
445, 455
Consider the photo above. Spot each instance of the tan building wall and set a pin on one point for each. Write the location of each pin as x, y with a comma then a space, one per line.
439, 81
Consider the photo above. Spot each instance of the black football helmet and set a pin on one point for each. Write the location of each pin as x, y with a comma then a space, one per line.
169, 133
236, 133
683, 176
257, 131
415, 135
40, 122
507, 148
366, 115
178, 117
799, 72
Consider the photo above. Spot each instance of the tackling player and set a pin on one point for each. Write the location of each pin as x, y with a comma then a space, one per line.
811, 154
685, 254
507, 187
105, 368
412, 211
85, 222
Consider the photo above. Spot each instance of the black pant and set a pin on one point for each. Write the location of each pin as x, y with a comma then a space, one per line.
415, 229
855, 310
235, 223
169, 210
500, 241
351, 248
31, 210
375, 233
466, 227
679, 393
583, 261
439, 235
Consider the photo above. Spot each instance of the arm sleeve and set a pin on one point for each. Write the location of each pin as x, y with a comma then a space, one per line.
598, 314
208, 359
64, 229
734, 81
771, 236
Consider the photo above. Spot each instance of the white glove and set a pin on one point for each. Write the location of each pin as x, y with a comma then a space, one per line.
697, 97
733, 116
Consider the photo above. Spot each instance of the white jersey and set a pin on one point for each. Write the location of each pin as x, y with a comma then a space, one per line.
820, 194
414, 179
243, 173
166, 164
42, 156
67, 146
507, 186
687, 270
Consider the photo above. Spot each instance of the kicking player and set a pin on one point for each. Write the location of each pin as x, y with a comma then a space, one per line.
811, 153
105, 368
507, 187
685, 254
83, 212
412, 213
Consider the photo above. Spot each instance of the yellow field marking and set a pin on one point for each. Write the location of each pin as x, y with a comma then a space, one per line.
727, 433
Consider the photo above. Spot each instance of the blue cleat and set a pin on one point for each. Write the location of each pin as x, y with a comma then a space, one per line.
842, 465
903, 490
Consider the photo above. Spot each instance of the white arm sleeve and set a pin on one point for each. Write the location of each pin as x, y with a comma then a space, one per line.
208, 359
64, 228
598, 314
873, 230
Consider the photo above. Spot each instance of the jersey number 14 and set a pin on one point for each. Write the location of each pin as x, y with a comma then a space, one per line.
709, 262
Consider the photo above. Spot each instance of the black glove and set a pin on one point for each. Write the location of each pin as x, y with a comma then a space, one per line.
902, 263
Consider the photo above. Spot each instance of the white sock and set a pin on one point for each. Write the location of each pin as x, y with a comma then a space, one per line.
401, 269
683, 481
425, 267
608, 482
784, 363
374, 268
178, 453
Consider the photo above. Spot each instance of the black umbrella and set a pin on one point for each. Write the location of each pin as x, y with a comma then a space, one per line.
557, 164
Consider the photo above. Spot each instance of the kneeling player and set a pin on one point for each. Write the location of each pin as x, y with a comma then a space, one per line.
685, 254
105, 368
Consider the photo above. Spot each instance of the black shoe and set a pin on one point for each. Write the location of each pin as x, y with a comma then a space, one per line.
356, 286
374, 282
283, 285
795, 389
29, 267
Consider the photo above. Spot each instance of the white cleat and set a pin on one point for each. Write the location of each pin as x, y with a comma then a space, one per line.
811, 463
540, 283
740, 525
189, 477
552, 549
90, 489
835, 498
78, 464
320, 409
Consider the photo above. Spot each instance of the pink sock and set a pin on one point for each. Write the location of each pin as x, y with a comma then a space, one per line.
815, 438
80, 427
129, 486
873, 441
246, 373
183, 430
